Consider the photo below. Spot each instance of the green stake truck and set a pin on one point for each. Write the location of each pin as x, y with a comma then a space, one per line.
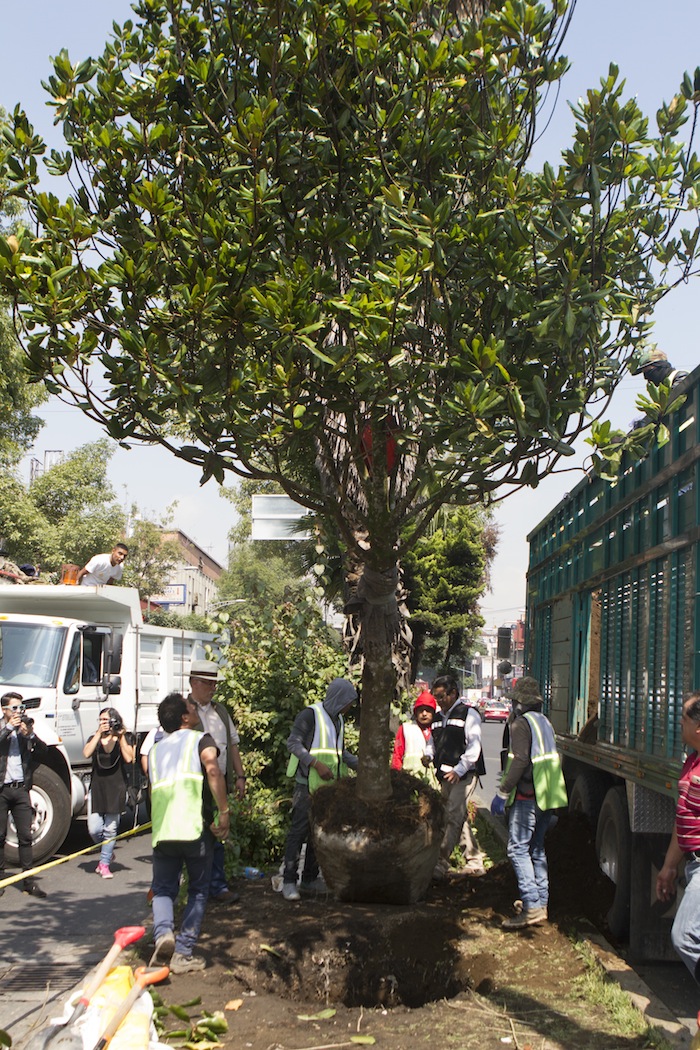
612, 603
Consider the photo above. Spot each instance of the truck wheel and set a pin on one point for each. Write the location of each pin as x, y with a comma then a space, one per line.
587, 795
51, 818
613, 844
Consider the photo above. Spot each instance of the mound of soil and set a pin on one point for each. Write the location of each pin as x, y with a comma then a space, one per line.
414, 803
317, 973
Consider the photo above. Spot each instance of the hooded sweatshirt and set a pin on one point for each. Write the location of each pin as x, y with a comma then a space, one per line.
339, 694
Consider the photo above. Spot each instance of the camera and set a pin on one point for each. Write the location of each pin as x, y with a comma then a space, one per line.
115, 724
27, 721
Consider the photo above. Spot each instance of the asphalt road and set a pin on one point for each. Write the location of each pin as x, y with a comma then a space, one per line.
49, 945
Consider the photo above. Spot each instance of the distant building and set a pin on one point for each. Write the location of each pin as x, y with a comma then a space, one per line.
193, 583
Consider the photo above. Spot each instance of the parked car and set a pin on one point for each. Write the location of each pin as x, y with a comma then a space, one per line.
496, 711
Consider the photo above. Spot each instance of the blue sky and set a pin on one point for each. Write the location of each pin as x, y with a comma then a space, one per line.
652, 44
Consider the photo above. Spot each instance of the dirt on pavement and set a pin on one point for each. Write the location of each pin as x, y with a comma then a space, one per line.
438, 974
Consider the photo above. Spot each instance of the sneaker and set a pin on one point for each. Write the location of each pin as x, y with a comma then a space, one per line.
317, 885
527, 917
163, 952
290, 892
186, 963
103, 870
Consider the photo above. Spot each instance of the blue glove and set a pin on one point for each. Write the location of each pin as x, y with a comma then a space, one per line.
498, 806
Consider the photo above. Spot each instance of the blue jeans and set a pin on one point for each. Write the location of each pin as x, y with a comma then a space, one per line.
527, 827
685, 932
218, 882
168, 859
101, 827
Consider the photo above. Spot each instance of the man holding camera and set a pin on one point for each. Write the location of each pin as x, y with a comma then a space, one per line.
21, 751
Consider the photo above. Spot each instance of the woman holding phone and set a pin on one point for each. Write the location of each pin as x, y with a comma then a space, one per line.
111, 750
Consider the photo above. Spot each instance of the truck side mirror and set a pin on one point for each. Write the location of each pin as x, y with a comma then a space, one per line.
112, 685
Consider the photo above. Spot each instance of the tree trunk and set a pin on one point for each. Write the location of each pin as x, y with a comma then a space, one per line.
373, 781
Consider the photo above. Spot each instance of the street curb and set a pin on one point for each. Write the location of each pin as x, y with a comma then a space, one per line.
652, 1009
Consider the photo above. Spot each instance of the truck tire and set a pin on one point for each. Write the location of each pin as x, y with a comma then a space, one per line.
613, 844
51, 820
587, 795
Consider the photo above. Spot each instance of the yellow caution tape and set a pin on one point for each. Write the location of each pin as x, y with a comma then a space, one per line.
71, 856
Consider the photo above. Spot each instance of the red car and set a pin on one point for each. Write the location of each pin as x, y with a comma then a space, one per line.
496, 711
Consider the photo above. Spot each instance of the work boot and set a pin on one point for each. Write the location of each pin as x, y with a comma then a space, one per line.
186, 963
290, 892
527, 917
163, 952
226, 896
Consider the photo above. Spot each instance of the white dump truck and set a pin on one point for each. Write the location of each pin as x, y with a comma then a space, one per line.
71, 651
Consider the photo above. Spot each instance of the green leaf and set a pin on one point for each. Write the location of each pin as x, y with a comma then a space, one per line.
322, 1015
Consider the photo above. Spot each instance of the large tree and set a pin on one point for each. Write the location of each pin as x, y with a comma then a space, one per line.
18, 397
445, 575
66, 515
308, 233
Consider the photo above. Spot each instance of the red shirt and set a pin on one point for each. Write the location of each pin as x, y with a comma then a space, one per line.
688, 806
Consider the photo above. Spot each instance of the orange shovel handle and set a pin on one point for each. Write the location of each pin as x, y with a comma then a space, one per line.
144, 976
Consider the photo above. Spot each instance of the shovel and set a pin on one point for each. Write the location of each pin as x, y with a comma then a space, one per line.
124, 936
144, 976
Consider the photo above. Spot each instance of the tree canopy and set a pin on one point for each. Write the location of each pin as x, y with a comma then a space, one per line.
67, 514
308, 234
445, 575
18, 397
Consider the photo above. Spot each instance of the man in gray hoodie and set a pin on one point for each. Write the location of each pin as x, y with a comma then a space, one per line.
318, 756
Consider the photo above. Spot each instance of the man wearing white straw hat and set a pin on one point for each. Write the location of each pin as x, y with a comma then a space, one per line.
216, 720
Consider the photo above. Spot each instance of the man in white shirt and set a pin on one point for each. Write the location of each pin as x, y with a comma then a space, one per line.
458, 764
215, 720
104, 568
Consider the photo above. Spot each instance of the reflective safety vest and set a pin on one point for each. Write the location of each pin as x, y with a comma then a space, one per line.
414, 743
547, 777
177, 780
326, 746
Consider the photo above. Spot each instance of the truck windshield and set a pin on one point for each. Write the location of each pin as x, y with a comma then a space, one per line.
29, 654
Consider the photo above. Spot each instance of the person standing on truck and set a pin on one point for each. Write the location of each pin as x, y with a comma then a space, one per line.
685, 843
110, 747
317, 756
104, 568
533, 787
215, 720
186, 783
458, 764
21, 751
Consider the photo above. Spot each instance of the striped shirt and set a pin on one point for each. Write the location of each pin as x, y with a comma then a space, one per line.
688, 806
